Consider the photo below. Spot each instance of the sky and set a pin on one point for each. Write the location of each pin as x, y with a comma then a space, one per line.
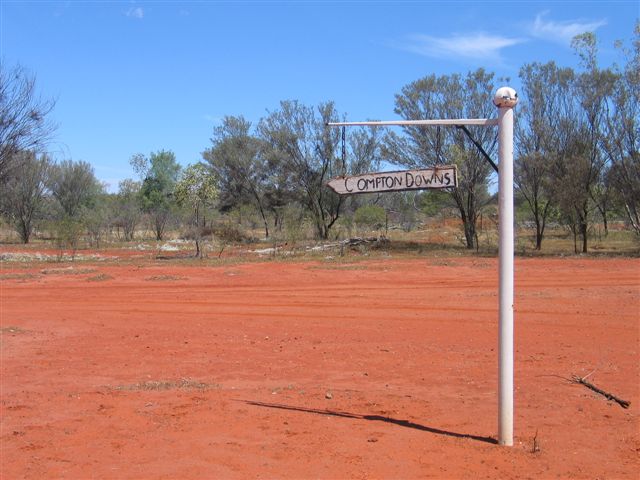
138, 77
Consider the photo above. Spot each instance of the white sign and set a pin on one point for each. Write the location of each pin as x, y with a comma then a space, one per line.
444, 176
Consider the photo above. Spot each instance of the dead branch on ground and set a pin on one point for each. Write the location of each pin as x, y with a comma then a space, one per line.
607, 395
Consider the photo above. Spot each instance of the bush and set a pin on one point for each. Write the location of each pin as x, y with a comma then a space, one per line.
372, 217
228, 232
68, 232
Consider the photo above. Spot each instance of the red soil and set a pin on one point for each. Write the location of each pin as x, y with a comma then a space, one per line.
380, 369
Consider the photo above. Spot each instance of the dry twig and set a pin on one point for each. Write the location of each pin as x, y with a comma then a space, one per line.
607, 395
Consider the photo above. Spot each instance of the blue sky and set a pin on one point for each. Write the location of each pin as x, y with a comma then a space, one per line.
138, 76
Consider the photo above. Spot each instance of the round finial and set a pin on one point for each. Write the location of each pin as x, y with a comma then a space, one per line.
505, 97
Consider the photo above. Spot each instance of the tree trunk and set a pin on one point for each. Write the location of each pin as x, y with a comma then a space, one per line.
538, 240
469, 233
25, 232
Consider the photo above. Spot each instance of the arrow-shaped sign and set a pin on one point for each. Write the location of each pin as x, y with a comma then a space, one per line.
444, 176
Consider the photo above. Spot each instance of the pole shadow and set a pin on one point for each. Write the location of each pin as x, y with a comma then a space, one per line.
374, 418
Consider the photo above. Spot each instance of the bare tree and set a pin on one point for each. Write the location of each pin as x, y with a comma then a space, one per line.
24, 125
622, 139
448, 96
592, 90
545, 113
128, 207
22, 195
305, 152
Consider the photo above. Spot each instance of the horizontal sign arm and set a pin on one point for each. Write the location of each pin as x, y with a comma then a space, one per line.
407, 123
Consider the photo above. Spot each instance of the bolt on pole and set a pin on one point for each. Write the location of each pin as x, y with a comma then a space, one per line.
505, 99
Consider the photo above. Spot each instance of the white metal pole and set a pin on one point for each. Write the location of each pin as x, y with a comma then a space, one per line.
505, 99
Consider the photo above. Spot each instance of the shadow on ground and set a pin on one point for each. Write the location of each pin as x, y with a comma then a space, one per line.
376, 418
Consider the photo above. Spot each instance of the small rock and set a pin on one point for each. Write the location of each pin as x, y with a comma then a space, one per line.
328, 395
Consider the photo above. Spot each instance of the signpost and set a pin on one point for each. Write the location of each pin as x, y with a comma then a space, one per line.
505, 99
439, 177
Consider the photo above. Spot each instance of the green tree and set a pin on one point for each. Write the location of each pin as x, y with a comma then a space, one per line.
75, 190
98, 218
197, 190
238, 162
159, 175
74, 186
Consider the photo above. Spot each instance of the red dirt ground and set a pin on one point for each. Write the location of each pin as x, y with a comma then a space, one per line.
378, 369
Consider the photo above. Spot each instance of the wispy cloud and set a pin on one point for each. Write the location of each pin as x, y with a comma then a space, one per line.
562, 31
477, 46
207, 117
135, 12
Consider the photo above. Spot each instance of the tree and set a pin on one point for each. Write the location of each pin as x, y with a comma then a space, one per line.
75, 189
24, 125
196, 189
592, 90
74, 186
22, 196
544, 123
238, 161
448, 96
97, 219
128, 210
622, 134
305, 153
159, 174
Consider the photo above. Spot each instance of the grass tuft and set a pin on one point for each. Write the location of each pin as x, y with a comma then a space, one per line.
162, 385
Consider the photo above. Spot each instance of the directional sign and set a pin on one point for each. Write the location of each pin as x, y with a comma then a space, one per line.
444, 176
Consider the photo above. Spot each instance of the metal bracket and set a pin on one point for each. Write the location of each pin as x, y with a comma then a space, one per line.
478, 146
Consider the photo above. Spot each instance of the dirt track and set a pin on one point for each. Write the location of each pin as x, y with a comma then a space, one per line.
377, 369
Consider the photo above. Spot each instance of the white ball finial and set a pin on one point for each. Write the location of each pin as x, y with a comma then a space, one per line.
505, 97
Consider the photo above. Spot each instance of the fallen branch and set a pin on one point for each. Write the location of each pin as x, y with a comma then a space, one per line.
355, 241
607, 395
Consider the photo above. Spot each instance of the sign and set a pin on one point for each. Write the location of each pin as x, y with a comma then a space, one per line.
444, 176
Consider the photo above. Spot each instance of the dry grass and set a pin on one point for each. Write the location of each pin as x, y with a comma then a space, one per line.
67, 271
164, 278
12, 330
101, 277
18, 276
163, 385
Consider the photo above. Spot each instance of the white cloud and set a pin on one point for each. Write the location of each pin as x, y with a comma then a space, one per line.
562, 31
478, 46
207, 117
136, 12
